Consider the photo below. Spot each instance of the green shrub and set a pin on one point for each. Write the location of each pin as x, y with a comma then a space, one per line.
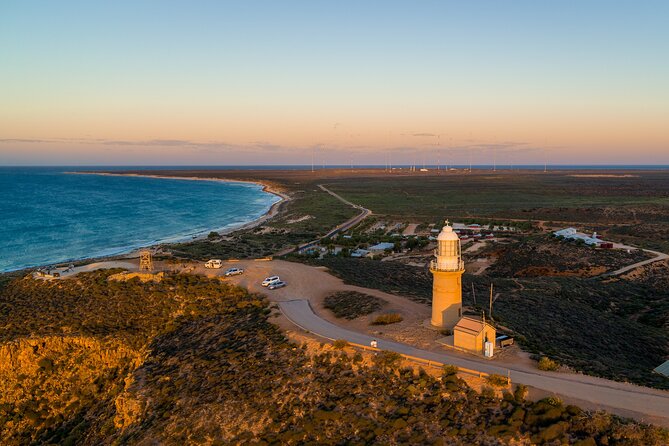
449, 370
520, 393
547, 364
351, 304
497, 380
487, 392
340, 344
385, 319
387, 359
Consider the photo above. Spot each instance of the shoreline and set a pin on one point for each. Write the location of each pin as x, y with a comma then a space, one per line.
225, 230
266, 187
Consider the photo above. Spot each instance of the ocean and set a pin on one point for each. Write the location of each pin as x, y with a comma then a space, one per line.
48, 215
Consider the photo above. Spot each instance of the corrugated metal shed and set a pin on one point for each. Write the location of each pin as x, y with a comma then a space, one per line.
663, 369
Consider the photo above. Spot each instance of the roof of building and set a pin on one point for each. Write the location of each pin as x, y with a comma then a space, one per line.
571, 233
359, 253
565, 231
382, 246
663, 369
471, 325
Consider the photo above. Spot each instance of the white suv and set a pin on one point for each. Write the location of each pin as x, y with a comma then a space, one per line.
270, 280
213, 263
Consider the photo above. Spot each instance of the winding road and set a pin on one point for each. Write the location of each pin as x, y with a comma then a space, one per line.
601, 393
364, 213
659, 256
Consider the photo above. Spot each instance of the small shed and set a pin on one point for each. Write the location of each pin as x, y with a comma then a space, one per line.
471, 334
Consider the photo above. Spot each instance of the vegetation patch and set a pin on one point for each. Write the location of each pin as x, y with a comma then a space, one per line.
497, 380
392, 277
547, 364
352, 304
386, 319
543, 255
213, 366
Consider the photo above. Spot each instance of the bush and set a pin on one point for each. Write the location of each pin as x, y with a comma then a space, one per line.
449, 370
386, 319
387, 359
487, 392
340, 344
351, 304
547, 364
520, 393
497, 380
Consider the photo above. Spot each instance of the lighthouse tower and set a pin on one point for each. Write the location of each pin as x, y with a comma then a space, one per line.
447, 271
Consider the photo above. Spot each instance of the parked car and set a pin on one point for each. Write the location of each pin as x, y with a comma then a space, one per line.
234, 272
270, 280
213, 263
275, 285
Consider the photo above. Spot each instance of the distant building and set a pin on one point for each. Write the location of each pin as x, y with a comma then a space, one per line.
573, 234
471, 334
360, 253
381, 247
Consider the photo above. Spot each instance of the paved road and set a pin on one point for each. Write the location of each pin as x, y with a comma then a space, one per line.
364, 213
658, 257
600, 392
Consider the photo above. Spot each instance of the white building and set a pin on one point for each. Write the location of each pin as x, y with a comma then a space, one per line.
573, 234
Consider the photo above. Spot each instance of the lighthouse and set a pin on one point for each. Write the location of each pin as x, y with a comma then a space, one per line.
447, 270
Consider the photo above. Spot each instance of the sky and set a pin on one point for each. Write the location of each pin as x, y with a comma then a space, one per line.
337, 82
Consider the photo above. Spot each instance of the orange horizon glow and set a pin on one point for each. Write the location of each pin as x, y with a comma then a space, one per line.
241, 85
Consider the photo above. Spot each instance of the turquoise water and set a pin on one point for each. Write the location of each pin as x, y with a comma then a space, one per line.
49, 216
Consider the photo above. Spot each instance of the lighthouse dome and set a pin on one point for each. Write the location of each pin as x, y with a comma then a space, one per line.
447, 234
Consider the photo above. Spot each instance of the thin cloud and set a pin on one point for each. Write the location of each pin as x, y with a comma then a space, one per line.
423, 135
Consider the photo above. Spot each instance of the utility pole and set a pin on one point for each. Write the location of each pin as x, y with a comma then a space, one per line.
474, 293
490, 311
494, 159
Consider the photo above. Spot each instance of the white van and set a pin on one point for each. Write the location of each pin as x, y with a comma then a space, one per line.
270, 280
213, 263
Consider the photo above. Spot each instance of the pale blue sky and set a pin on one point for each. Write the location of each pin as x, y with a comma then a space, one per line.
206, 82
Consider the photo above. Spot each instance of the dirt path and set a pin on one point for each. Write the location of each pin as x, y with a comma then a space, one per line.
410, 229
